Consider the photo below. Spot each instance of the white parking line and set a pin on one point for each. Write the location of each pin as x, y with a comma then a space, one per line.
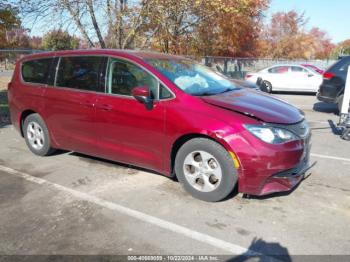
318, 122
201, 237
306, 106
331, 157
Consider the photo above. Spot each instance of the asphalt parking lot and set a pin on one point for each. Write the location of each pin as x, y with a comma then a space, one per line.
75, 204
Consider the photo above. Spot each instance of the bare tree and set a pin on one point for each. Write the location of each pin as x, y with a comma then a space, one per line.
92, 18
90, 6
75, 15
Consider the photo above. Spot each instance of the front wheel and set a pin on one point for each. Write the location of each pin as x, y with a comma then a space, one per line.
37, 136
205, 169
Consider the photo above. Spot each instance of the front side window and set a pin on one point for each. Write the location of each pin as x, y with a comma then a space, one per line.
36, 71
80, 73
193, 78
123, 76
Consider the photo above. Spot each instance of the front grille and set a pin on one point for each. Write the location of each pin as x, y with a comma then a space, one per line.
301, 129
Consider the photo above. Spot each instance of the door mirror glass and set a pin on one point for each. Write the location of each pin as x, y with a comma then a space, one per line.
310, 75
143, 95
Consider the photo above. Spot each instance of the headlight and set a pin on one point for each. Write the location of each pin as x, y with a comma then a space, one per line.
271, 135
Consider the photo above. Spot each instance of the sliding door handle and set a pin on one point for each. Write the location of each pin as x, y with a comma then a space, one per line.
105, 107
87, 104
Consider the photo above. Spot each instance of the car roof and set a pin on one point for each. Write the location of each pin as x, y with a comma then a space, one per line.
125, 53
286, 65
278, 65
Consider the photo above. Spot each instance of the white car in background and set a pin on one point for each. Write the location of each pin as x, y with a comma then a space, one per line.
293, 78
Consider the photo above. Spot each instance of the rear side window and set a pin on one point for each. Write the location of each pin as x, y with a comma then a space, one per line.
340, 66
279, 70
345, 64
36, 71
298, 69
80, 73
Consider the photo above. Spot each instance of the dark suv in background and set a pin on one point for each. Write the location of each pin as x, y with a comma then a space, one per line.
333, 85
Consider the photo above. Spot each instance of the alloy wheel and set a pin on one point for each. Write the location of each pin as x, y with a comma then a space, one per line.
35, 135
202, 171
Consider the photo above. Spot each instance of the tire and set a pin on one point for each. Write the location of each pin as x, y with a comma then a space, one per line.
205, 185
346, 134
37, 135
266, 86
340, 102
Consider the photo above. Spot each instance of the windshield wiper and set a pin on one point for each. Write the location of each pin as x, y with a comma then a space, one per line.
226, 90
204, 94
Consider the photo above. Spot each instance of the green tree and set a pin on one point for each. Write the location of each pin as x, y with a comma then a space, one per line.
343, 48
59, 40
8, 20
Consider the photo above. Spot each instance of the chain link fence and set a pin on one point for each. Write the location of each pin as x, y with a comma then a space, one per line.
8, 57
239, 67
230, 66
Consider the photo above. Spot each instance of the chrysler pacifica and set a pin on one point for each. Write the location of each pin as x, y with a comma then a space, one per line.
163, 113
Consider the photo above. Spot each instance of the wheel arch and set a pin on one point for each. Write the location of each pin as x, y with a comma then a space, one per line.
23, 116
184, 138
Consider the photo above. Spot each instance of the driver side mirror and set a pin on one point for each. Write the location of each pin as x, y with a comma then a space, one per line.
310, 75
143, 95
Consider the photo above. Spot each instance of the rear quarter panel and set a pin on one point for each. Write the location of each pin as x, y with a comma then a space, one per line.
24, 96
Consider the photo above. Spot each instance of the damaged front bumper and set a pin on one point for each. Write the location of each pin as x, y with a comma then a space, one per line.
288, 179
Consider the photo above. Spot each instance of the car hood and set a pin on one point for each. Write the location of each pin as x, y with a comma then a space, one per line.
258, 105
245, 84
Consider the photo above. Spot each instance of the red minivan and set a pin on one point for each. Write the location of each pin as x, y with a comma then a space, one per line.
164, 113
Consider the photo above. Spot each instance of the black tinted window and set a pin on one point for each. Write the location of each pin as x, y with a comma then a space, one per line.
340, 66
124, 76
36, 71
80, 73
164, 93
344, 64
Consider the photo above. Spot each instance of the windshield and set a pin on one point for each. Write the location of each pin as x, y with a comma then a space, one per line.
191, 77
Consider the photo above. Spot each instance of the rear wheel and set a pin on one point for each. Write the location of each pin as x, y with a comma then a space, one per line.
37, 136
205, 169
